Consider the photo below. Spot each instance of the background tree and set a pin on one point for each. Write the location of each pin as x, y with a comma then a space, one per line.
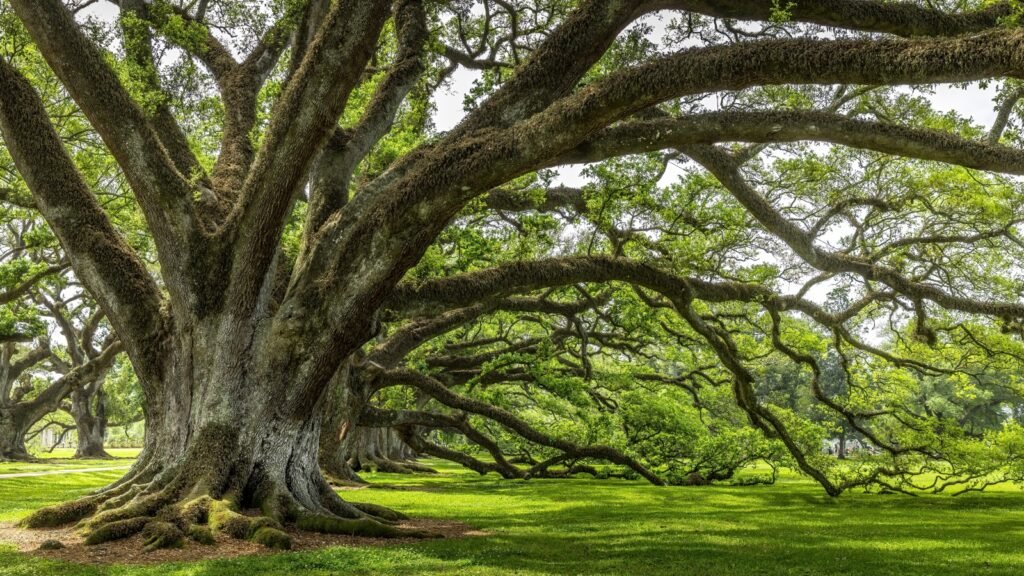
79, 323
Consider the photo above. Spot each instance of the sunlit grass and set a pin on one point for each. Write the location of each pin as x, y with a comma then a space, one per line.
69, 453
63, 458
583, 526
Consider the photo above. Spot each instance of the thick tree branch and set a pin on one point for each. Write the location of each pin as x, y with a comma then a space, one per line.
798, 61
901, 18
139, 48
304, 117
639, 136
164, 193
557, 64
546, 200
445, 396
107, 266
329, 185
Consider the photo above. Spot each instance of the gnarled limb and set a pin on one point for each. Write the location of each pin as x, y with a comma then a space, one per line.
105, 263
637, 136
901, 18
164, 193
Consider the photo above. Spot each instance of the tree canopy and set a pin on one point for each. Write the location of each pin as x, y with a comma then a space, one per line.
777, 236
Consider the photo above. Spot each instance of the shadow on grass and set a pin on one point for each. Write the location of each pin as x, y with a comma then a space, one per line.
568, 527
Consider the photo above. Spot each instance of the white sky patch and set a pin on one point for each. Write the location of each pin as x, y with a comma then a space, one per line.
972, 102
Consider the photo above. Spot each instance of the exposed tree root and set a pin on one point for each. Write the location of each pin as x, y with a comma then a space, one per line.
359, 527
168, 506
159, 534
201, 534
61, 514
380, 511
393, 466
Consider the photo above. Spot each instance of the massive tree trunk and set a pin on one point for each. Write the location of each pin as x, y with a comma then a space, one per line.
223, 435
233, 376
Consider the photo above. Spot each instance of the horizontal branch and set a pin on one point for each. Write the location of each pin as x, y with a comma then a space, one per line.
539, 200
567, 122
901, 18
792, 126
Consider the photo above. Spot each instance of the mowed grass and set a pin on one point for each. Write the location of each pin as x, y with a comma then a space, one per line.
584, 526
63, 458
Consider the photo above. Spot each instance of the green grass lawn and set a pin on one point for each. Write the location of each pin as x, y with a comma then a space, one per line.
583, 526
64, 458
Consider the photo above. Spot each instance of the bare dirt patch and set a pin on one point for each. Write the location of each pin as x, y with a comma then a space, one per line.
129, 550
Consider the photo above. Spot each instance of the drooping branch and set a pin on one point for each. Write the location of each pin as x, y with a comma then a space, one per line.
445, 396
743, 390
726, 169
420, 331
682, 291
423, 446
406, 422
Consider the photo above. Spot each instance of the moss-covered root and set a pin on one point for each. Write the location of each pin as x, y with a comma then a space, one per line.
225, 520
51, 545
157, 535
360, 527
379, 511
272, 538
116, 530
201, 534
261, 529
61, 514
